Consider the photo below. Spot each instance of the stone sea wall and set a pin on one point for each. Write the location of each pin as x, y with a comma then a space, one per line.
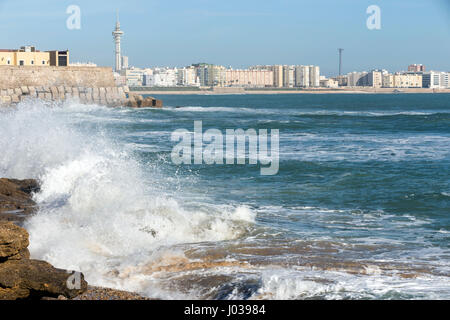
88, 85
109, 96
19, 76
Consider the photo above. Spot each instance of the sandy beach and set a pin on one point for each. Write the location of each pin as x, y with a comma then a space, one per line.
222, 91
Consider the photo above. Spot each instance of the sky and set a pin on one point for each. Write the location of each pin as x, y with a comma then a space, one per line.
238, 33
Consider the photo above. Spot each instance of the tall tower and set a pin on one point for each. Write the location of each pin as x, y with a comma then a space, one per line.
340, 60
117, 34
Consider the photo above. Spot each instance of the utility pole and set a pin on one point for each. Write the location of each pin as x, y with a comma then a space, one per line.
340, 60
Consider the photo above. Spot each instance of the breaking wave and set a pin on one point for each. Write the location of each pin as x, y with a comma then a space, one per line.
101, 211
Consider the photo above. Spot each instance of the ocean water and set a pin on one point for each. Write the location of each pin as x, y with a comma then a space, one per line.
360, 208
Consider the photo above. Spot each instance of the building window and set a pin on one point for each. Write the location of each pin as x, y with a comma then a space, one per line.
32, 62
9, 61
21, 63
43, 61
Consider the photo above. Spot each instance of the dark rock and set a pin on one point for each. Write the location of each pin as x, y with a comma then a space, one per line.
16, 199
22, 278
137, 101
34, 279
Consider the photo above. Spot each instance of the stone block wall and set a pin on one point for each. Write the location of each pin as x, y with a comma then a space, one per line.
89, 77
88, 85
109, 96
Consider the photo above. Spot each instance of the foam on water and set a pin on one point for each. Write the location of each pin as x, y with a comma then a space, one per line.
295, 112
99, 212
105, 212
307, 284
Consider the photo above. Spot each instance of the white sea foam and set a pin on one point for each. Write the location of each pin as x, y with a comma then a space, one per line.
100, 210
294, 111
105, 214
303, 284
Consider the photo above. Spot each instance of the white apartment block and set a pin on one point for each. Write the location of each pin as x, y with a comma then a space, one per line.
445, 82
258, 78
356, 79
188, 77
161, 78
302, 76
288, 76
431, 79
329, 83
314, 76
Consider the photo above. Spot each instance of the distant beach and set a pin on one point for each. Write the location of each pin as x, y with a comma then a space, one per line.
221, 91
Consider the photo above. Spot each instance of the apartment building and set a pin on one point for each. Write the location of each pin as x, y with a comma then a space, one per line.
249, 78
406, 80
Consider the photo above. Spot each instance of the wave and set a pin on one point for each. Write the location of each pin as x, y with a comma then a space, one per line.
330, 285
296, 112
100, 210
368, 147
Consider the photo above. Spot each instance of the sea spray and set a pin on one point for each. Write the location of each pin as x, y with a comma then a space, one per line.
357, 211
98, 210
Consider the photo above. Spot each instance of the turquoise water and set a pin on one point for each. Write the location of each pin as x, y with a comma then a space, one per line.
358, 210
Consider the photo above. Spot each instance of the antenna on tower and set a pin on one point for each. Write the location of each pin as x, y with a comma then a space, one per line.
117, 34
340, 60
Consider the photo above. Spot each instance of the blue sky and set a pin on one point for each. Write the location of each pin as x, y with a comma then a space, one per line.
238, 33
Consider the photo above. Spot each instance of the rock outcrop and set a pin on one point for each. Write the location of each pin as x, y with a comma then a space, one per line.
15, 199
138, 101
22, 278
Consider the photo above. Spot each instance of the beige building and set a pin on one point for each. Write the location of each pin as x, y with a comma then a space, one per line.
375, 79
314, 76
249, 78
329, 83
288, 76
277, 76
29, 56
302, 76
402, 81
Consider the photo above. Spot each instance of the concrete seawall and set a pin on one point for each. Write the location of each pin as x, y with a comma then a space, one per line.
88, 85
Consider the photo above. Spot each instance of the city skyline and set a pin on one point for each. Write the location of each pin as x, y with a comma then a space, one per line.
303, 36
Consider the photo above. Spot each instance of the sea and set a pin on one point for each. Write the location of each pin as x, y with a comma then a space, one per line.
359, 208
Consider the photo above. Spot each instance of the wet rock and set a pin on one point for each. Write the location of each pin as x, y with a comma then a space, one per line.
16, 199
137, 101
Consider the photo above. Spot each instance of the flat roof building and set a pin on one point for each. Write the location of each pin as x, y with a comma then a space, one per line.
29, 56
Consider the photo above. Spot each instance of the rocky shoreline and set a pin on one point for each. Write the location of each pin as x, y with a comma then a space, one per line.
22, 278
